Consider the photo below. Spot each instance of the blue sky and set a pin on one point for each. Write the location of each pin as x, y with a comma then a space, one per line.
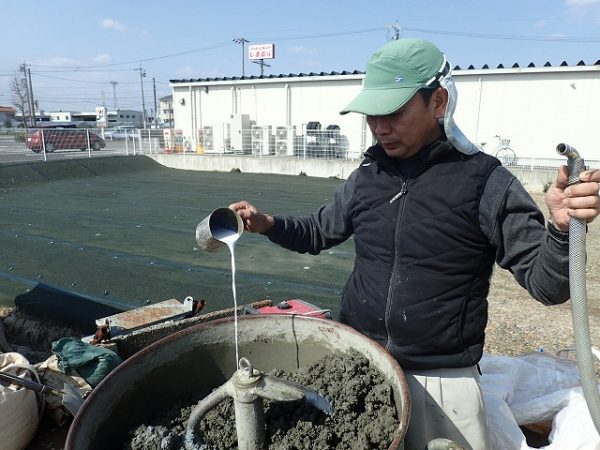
75, 50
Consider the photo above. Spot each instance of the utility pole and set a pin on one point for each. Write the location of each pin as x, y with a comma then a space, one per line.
242, 40
155, 110
142, 75
393, 32
114, 85
27, 74
31, 97
262, 64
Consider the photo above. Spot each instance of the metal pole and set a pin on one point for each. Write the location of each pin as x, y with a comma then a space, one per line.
155, 109
31, 98
142, 75
242, 40
243, 58
478, 110
262, 64
27, 79
114, 85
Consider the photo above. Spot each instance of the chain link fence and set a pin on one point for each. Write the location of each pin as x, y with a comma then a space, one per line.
310, 142
46, 144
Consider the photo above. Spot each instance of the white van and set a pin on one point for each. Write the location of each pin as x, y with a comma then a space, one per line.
121, 132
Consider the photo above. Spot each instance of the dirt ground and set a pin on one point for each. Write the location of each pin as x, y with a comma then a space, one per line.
519, 324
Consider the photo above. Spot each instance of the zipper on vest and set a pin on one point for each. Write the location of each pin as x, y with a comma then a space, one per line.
401, 193
399, 220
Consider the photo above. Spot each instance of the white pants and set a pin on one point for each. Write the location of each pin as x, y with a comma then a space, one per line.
446, 403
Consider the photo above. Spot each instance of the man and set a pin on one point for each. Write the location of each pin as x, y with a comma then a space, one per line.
430, 215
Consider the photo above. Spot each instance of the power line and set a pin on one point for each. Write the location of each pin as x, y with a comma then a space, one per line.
508, 37
76, 80
137, 61
213, 47
393, 31
321, 35
78, 69
396, 30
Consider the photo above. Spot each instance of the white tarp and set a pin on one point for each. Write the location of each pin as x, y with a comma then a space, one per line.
536, 388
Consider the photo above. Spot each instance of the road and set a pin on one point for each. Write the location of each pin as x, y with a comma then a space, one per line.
13, 152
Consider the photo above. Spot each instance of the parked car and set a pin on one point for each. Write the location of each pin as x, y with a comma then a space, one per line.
57, 139
121, 132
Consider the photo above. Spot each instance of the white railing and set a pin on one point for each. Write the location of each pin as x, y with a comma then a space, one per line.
262, 142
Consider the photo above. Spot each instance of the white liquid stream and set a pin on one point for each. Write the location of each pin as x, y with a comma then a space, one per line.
229, 237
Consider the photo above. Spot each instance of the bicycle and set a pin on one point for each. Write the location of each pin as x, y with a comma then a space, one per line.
503, 152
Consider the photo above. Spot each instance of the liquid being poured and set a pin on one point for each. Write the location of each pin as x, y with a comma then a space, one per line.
229, 238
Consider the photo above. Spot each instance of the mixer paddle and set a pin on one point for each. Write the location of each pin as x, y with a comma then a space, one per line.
248, 387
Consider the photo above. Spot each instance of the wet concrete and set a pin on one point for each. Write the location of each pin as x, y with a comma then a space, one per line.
364, 416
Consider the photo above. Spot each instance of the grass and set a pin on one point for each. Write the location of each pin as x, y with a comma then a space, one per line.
123, 229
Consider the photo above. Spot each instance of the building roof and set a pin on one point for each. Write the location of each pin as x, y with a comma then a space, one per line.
7, 109
358, 72
267, 77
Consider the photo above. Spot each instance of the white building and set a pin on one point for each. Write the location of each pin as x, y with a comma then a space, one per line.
115, 117
535, 107
165, 108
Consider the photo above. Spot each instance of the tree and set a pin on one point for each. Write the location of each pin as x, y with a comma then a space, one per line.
18, 87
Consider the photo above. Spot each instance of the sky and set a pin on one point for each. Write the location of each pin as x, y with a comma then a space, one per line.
83, 56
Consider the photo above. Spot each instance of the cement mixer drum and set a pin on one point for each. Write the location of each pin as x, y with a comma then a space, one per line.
174, 367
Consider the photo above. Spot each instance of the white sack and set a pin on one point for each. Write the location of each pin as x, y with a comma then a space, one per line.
535, 388
19, 417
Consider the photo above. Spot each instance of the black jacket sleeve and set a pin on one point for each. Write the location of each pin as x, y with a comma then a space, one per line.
330, 225
514, 225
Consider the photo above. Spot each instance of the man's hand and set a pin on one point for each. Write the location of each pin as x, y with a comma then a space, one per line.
579, 200
254, 220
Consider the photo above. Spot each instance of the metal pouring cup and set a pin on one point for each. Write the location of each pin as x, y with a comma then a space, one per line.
210, 231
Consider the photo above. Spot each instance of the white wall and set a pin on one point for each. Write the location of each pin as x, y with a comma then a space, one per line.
287, 101
536, 108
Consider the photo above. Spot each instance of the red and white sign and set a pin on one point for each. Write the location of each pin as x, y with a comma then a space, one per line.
261, 51
101, 116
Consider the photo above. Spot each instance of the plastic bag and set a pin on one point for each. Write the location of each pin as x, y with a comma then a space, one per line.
535, 388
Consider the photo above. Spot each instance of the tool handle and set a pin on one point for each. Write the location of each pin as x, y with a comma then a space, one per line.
28, 384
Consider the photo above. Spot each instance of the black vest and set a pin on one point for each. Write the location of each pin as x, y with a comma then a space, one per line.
422, 269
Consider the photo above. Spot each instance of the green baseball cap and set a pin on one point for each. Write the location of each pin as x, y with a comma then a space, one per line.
394, 74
